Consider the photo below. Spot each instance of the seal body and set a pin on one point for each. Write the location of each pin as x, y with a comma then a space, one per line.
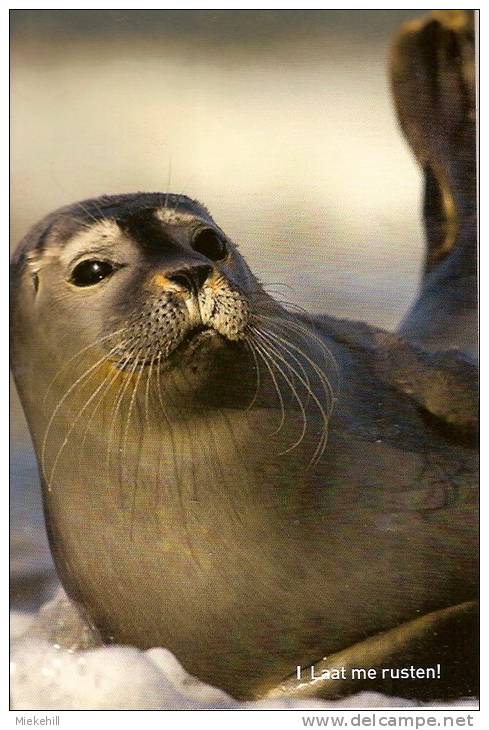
253, 489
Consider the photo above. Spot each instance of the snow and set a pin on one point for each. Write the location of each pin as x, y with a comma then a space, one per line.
57, 663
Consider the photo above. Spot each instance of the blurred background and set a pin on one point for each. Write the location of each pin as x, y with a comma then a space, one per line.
280, 122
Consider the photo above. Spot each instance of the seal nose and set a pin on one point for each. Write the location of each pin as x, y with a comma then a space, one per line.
190, 279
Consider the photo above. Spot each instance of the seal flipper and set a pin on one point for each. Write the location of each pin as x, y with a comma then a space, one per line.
447, 637
433, 80
443, 384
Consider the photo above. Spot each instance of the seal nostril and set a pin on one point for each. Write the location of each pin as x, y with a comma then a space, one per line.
191, 279
182, 280
202, 273
210, 243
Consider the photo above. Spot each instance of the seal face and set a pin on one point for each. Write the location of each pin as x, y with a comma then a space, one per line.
201, 493
170, 303
156, 295
156, 269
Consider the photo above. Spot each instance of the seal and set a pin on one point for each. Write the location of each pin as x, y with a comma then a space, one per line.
200, 493
253, 488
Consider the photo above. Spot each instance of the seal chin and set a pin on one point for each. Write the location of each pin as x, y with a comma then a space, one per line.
194, 340
197, 343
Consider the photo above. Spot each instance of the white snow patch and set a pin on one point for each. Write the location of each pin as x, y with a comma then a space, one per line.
57, 663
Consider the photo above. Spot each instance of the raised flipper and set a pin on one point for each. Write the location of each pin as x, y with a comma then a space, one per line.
447, 638
433, 79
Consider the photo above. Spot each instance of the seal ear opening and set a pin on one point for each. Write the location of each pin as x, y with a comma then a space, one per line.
33, 273
32, 270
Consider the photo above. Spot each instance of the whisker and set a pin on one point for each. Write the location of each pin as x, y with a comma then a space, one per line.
136, 474
265, 350
170, 429
70, 431
81, 223
266, 284
180, 196
79, 415
180, 485
286, 344
319, 448
257, 370
62, 400
325, 416
168, 185
306, 334
87, 212
120, 396
322, 376
116, 376
303, 371
131, 406
146, 394
99, 210
276, 386
147, 423
80, 352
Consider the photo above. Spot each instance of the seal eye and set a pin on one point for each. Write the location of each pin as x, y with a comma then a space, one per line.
209, 243
88, 273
